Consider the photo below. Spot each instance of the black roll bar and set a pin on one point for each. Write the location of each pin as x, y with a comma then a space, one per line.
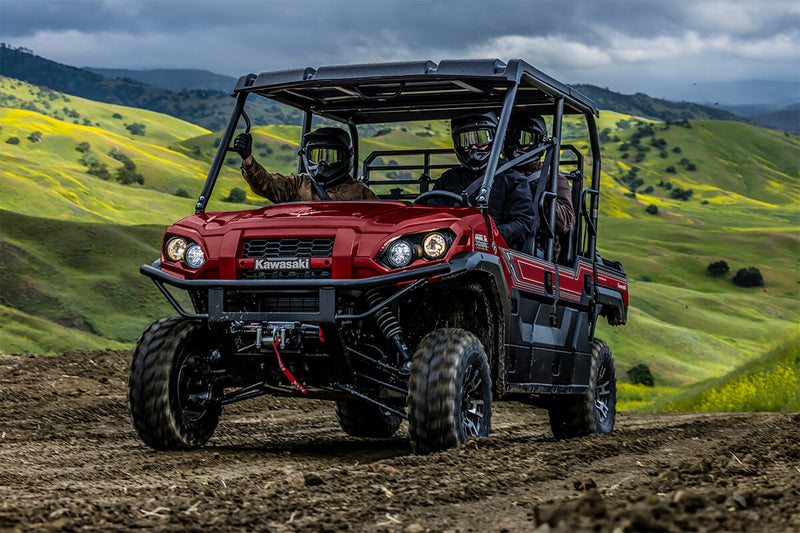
551, 215
497, 148
222, 150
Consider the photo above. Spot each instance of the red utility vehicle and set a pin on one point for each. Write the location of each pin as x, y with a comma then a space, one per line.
392, 308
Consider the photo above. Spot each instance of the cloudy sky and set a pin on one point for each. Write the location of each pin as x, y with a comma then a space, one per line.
662, 47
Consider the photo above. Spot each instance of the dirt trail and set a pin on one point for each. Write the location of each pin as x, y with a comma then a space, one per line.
70, 460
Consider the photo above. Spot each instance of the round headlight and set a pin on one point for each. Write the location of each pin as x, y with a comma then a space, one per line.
195, 257
399, 254
176, 248
434, 245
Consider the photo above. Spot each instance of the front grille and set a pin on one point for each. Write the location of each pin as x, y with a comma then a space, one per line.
270, 303
305, 247
313, 273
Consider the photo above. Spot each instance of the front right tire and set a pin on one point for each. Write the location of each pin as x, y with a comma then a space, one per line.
449, 391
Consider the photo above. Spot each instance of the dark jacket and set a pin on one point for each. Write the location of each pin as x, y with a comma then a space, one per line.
565, 214
510, 202
298, 188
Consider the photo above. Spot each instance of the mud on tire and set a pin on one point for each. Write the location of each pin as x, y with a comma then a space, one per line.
594, 411
167, 384
449, 391
362, 419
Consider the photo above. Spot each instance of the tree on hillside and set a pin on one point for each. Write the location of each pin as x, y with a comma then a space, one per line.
35, 137
135, 128
652, 209
641, 374
126, 175
748, 277
236, 196
718, 268
681, 194
12, 140
83, 147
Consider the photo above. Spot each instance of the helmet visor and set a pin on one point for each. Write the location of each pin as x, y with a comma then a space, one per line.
523, 138
479, 137
328, 154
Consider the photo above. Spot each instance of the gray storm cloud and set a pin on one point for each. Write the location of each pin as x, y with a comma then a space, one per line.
628, 46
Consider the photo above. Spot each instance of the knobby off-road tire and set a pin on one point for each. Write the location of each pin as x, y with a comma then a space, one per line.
449, 391
168, 374
363, 419
594, 411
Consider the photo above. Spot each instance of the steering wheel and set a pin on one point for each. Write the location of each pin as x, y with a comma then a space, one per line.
453, 197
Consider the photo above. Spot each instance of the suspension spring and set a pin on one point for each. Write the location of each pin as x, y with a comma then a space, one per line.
384, 317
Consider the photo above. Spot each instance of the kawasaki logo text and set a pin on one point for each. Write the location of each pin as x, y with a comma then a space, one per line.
282, 264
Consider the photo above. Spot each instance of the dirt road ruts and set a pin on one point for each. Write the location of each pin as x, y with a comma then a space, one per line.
70, 460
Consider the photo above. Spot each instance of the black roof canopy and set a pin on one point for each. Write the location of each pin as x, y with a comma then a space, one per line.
414, 90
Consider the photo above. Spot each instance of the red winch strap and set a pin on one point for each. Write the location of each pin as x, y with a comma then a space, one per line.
286, 370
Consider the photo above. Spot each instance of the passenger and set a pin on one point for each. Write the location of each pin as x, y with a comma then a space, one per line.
328, 153
510, 203
527, 132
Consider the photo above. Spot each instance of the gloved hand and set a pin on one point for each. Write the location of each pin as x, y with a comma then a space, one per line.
243, 145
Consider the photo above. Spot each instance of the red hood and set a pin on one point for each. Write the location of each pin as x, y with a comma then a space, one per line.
364, 216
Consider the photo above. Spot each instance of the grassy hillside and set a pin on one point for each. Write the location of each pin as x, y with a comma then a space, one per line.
210, 109
770, 383
73, 285
72, 242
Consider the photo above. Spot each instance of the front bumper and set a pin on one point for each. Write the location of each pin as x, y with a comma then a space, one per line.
325, 289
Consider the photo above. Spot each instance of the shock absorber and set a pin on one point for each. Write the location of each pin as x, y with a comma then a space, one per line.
388, 324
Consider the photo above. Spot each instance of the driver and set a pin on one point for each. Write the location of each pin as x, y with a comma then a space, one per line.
510, 203
328, 154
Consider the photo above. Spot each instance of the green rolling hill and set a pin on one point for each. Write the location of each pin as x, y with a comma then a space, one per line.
71, 242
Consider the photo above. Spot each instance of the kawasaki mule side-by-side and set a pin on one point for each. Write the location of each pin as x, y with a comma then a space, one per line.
394, 308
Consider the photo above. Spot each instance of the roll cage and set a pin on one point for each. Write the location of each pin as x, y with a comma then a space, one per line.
424, 90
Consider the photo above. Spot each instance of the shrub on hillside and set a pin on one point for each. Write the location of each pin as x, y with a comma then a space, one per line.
116, 115
649, 189
681, 194
718, 268
182, 193
126, 175
135, 128
671, 169
12, 140
677, 150
748, 277
652, 209
641, 374
236, 196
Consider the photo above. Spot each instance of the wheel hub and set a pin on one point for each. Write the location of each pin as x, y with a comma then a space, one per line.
194, 392
602, 392
472, 404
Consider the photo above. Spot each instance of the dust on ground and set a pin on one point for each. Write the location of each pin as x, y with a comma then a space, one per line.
70, 460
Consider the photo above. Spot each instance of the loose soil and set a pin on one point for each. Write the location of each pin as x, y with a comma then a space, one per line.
70, 460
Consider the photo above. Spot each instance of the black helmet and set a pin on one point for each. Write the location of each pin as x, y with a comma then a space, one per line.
524, 133
473, 134
328, 154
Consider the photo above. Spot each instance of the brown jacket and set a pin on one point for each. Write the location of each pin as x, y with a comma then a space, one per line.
297, 187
